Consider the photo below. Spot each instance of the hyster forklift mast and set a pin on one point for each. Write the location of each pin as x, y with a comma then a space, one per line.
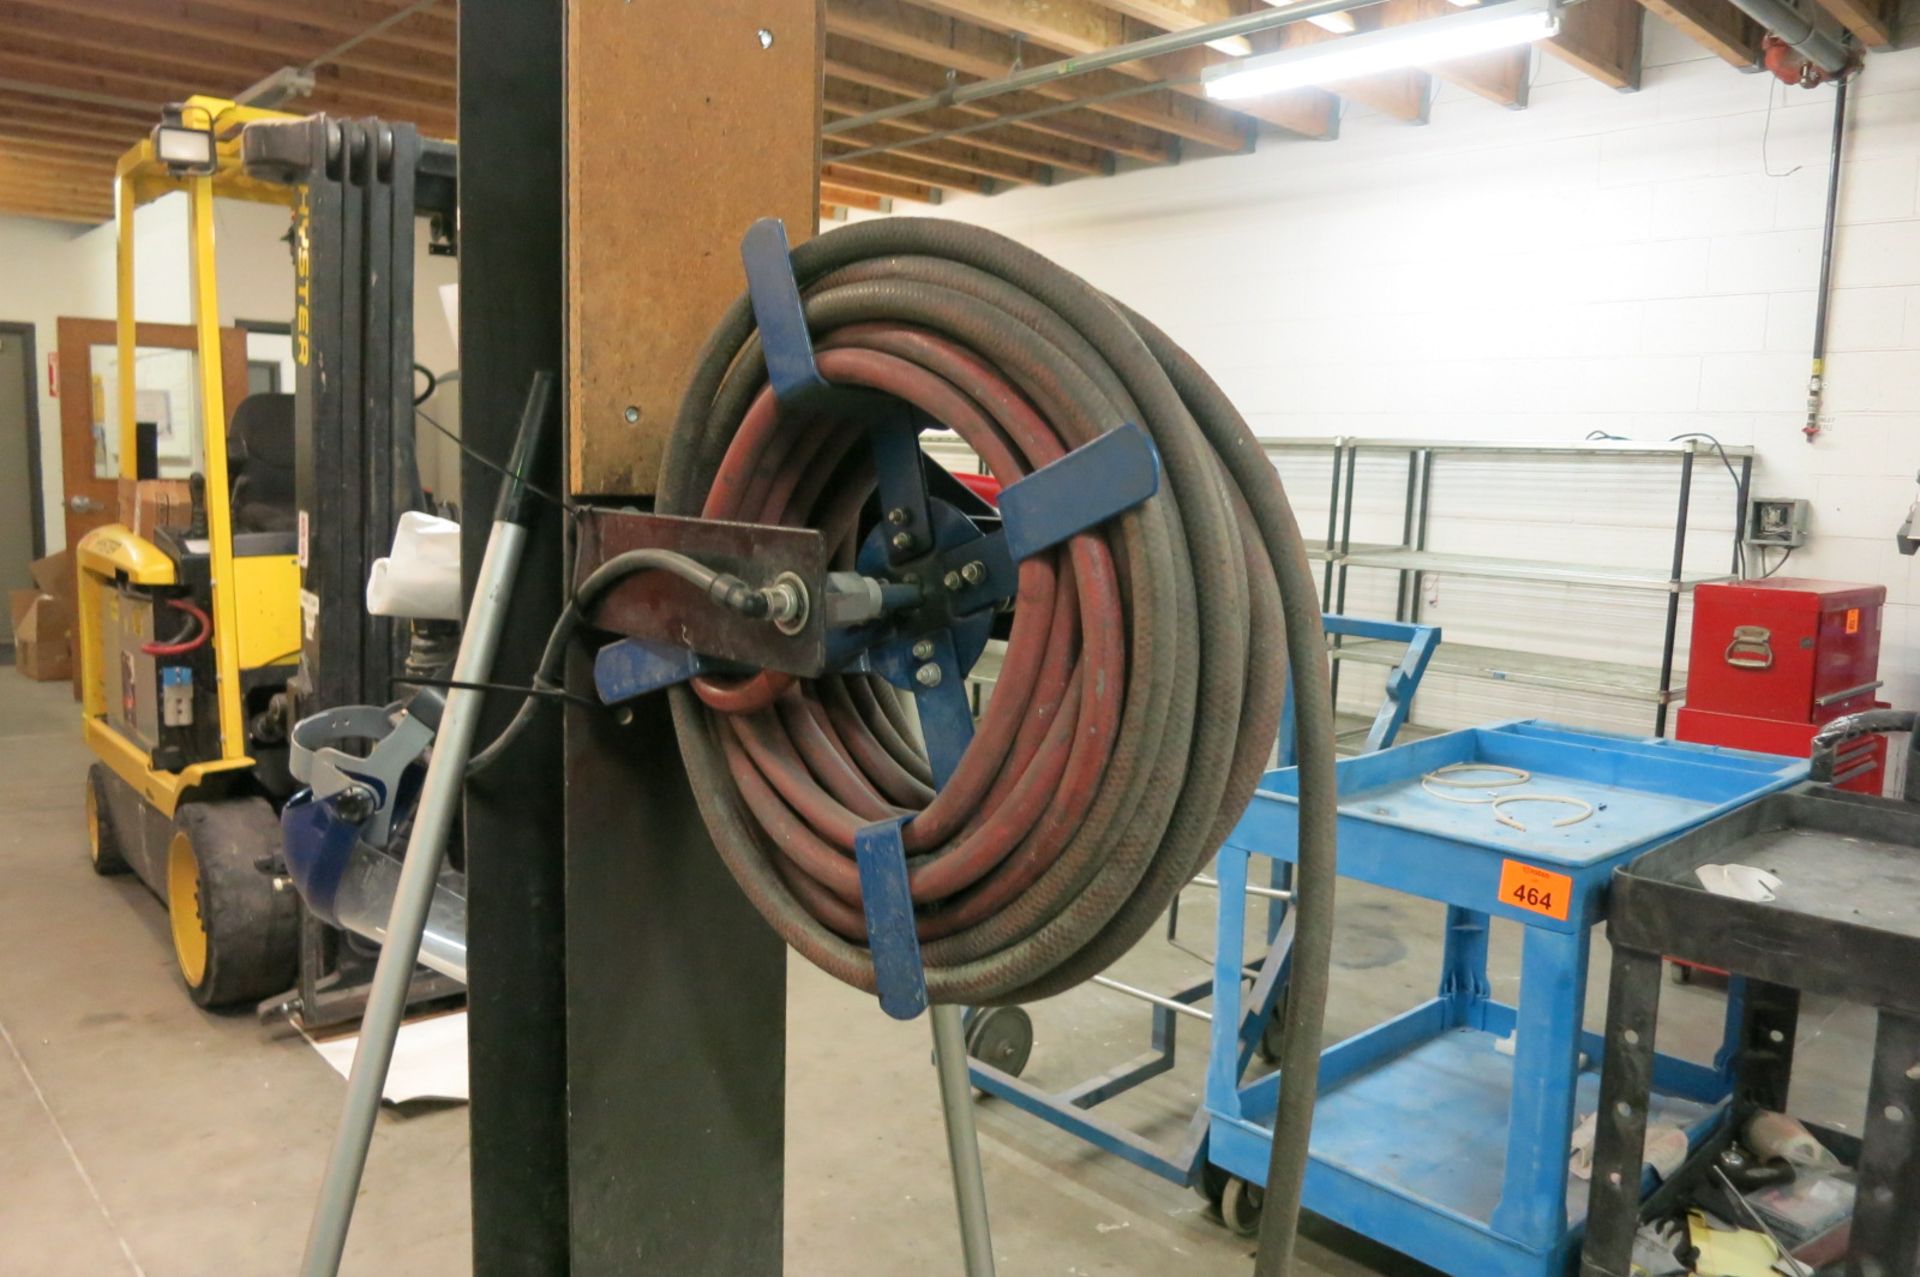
358, 188
360, 184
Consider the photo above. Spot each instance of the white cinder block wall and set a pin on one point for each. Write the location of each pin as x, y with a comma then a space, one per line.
1641, 264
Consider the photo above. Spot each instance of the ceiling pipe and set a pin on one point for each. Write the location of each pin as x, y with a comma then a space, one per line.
1051, 72
1785, 21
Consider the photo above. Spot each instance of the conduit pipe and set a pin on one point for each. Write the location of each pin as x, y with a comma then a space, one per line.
1785, 21
1051, 72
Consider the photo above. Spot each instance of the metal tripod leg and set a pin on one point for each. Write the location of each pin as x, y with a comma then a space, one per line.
963, 1143
420, 870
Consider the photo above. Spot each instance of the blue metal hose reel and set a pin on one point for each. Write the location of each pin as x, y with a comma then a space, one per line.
918, 612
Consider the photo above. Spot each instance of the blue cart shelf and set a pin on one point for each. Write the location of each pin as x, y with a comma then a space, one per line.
1433, 1135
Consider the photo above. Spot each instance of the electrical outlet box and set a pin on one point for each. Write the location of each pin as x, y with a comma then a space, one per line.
1780, 522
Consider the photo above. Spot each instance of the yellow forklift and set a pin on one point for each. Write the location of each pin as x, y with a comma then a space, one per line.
202, 640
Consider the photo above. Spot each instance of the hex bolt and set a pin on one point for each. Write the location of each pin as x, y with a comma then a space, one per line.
899, 517
355, 803
927, 676
903, 540
923, 650
951, 580
975, 572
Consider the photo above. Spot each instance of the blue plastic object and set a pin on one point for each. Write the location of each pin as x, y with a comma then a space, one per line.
316, 842
1072, 1109
899, 978
1429, 1136
633, 667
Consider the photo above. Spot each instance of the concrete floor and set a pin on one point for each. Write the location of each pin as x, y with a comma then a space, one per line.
139, 1134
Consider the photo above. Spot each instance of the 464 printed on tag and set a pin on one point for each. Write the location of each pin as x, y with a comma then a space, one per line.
1536, 890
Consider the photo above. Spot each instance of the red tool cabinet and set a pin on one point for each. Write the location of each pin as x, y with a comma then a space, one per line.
1774, 660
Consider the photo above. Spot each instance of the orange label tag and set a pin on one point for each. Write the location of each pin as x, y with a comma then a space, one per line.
1536, 890
1853, 620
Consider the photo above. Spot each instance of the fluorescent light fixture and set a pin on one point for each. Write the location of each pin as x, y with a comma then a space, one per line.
1339, 23
1493, 26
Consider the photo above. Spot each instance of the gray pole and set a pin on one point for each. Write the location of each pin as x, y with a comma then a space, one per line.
963, 1144
420, 870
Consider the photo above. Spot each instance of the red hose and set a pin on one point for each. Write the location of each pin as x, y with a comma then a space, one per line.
183, 646
814, 765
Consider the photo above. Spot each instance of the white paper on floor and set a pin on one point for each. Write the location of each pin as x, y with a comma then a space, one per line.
429, 1059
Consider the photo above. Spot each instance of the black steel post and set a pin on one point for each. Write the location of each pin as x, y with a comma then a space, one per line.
1673, 590
1407, 575
1740, 506
1886, 1222
512, 185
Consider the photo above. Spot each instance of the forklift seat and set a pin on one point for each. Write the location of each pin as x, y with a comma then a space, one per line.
260, 459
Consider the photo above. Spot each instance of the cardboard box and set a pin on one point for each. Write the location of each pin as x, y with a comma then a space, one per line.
55, 575
148, 505
42, 635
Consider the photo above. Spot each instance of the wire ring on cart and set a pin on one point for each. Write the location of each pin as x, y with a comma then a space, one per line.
1445, 777
1586, 809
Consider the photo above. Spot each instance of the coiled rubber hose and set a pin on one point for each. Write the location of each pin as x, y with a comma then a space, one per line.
1142, 684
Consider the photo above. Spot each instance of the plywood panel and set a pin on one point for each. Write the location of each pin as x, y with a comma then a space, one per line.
682, 130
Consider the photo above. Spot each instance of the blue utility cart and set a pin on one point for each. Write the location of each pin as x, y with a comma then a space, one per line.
1434, 1134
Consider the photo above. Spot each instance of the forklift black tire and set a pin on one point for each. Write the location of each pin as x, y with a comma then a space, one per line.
103, 844
1240, 1206
235, 938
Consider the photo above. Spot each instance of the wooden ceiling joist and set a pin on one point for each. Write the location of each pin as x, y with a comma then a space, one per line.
1501, 76
850, 197
975, 51
1602, 38
106, 148
34, 151
1715, 25
857, 99
959, 154
122, 133
940, 175
1084, 26
428, 32
891, 187
1872, 21
185, 73
213, 46
912, 77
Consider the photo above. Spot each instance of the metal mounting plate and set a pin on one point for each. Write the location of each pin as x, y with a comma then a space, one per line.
661, 607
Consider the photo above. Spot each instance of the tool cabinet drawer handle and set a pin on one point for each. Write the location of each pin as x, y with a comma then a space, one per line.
1752, 647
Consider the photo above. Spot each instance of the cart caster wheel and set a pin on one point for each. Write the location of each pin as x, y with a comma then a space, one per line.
1001, 1038
1240, 1206
1212, 1184
103, 846
1679, 973
1273, 1034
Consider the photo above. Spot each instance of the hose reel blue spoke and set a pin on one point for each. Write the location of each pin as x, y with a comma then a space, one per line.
900, 980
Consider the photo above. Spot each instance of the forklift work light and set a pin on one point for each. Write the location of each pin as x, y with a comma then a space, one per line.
182, 149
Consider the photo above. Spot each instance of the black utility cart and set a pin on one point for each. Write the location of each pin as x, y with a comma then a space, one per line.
1844, 923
